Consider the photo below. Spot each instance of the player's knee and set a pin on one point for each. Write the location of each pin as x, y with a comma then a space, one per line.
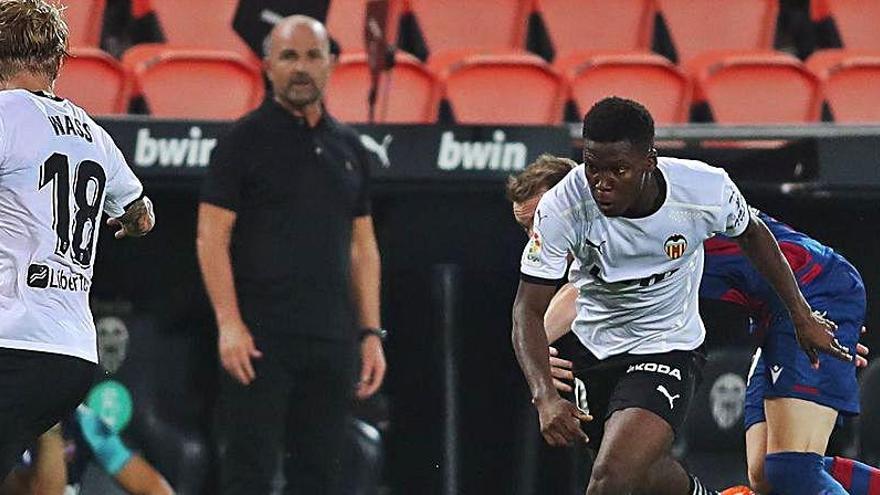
609, 478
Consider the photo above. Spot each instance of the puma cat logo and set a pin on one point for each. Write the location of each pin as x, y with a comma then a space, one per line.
669, 397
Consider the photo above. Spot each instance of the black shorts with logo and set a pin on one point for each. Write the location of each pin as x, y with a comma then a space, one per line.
661, 383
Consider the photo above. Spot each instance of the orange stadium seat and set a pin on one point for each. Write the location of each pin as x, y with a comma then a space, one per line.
200, 24
460, 27
408, 94
95, 81
199, 84
704, 25
647, 78
85, 19
850, 83
579, 25
856, 21
504, 89
758, 88
345, 22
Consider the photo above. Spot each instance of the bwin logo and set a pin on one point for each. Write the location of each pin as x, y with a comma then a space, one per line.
493, 155
656, 368
193, 151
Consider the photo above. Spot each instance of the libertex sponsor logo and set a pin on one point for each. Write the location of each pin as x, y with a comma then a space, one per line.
497, 154
190, 151
44, 277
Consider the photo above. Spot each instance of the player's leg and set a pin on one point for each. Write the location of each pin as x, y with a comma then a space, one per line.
318, 420
251, 426
650, 400
802, 403
621, 464
37, 390
857, 478
797, 436
756, 424
756, 451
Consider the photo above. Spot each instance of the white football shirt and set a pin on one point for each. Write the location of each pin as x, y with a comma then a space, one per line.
59, 171
637, 278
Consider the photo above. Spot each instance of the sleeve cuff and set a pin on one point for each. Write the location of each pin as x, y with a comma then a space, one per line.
221, 202
540, 281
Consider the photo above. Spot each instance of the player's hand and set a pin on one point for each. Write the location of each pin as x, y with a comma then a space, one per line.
862, 354
236, 346
561, 369
815, 334
561, 421
372, 366
137, 220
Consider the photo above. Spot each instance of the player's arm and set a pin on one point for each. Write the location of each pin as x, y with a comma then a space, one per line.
530, 340
366, 275
138, 477
558, 319
815, 334
559, 418
560, 313
137, 220
130, 211
543, 264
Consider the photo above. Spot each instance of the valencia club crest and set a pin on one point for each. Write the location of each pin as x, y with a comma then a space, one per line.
675, 246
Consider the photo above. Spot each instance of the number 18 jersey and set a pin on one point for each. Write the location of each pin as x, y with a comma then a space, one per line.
59, 171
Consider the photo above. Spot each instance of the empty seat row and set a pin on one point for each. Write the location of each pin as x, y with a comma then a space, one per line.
207, 84
454, 26
739, 87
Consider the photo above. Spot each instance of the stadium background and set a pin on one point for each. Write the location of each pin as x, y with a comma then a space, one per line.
458, 417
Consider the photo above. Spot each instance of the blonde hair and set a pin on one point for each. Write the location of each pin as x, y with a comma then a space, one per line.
538, 176
33, 38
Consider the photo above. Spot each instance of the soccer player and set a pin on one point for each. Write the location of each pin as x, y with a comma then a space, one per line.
792, 407
59, 171
827, 280
634, 224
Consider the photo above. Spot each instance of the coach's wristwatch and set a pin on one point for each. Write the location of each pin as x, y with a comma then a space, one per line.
378, 332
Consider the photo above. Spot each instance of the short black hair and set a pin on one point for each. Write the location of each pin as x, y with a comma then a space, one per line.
619, 119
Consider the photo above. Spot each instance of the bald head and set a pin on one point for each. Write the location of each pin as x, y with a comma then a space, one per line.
286, 28
298, 62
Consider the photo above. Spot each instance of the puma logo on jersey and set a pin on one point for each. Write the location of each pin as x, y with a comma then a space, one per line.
70, 126
664, 369
669, 397
597, 247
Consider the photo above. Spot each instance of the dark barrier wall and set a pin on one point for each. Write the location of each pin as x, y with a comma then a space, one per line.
419, 225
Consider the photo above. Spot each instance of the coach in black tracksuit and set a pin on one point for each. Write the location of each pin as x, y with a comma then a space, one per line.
289, 258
